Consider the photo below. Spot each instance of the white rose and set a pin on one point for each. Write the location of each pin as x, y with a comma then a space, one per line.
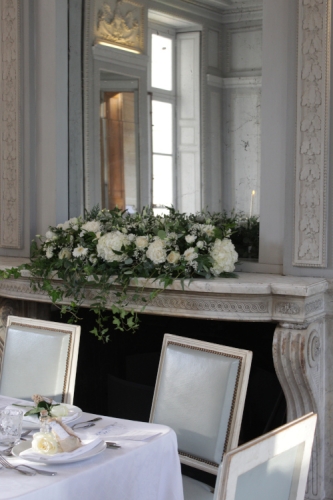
156, 251
49, 252
200, 244
131, 237
224, 256
141, 241
173, 257
110, 242
190, 238
59, 411
44, 443
80, 251
50, 235
190, 254
92, 226
65, 253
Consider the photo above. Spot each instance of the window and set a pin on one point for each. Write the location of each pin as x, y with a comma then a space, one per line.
175, 119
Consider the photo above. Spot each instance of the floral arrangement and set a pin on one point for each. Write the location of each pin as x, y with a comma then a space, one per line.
109, 250
42, 405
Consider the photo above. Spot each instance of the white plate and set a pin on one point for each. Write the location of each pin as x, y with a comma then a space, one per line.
72, 411
25, 445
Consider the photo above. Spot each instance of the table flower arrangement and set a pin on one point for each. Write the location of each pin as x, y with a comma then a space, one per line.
111, 249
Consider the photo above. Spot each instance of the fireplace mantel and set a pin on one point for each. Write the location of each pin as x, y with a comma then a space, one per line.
249, 297
302, 345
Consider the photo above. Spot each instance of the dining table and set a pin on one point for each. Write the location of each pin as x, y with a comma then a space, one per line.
144, 466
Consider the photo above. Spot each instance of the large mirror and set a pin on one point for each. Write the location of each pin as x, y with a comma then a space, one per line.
118, 143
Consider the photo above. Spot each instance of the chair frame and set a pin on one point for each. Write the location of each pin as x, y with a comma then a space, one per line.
74, 331
248, 456
235, 419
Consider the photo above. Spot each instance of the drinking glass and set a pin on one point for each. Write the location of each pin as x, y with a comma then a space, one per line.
10, 426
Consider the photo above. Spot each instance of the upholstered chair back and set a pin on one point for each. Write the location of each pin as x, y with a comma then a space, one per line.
40, 357
200, 393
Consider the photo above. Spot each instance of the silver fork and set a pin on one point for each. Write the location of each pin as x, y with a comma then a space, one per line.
7, 465
33, 472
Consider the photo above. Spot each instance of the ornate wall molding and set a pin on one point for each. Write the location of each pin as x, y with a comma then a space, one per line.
10, 164
313, 106
121, 22
299, 366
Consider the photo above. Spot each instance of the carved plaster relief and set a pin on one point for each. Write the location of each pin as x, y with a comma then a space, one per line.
10, 164
120, 22
312, 132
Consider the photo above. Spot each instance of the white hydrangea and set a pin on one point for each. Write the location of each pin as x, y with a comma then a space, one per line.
224, 256
141, 242
110, 242
156, 251
173, 257
65, 253
93, 226
190, 238
190, 254
80, 251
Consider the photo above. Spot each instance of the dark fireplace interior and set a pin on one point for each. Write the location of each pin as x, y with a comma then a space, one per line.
118, 378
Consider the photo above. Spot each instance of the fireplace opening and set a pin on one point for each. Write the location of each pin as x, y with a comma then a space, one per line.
118, 378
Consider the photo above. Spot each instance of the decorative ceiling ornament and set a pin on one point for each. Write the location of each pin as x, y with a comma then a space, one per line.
120, 22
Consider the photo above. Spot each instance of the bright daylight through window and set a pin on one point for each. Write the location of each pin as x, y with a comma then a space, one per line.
163, 101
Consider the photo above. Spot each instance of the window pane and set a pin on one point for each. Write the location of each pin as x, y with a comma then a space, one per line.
162, 127
162, 181
161, 62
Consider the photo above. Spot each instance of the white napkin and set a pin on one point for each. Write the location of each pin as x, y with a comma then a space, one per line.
34, 418
88, 445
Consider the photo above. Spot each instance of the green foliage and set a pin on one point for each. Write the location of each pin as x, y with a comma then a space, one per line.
108, 256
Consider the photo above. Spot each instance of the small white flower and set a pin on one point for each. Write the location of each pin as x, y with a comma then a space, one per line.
200, 244
49, 252
208, 229
190, 254
50, 235
65, 253
190, 238
173, 257
80, 251
124, 230
131, 237
141, 241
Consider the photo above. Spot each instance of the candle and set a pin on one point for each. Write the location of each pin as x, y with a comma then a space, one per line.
251, 204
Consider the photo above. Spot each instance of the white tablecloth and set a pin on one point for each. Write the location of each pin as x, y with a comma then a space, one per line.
139, 470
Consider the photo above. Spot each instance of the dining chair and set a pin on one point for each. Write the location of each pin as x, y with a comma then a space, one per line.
200, 393
273, 466
39, 357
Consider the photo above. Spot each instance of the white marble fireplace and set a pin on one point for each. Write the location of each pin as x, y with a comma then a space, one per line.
302, 351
